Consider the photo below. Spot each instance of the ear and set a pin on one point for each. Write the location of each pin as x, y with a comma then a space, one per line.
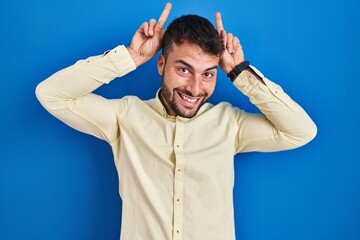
161, 64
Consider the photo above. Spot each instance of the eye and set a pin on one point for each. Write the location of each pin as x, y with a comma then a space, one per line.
208, 74
184, 70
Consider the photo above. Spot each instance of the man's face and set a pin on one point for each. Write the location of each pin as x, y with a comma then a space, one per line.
188, 79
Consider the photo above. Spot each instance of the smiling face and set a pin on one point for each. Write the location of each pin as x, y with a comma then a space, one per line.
188, 79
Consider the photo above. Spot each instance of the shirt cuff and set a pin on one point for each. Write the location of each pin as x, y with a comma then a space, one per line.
121, 60
246, 81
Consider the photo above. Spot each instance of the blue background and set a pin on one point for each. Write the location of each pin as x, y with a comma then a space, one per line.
57, 183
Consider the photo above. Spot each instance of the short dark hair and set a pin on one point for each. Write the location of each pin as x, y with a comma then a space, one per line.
193, 29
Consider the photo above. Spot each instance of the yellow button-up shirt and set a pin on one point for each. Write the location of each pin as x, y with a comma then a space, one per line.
176, 175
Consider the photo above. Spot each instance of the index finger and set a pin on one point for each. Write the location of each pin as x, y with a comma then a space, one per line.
218, 21
164, 15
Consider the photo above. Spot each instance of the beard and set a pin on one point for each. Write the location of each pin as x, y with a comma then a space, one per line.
177, 108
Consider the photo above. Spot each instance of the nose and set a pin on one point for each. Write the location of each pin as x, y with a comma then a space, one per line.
194, 86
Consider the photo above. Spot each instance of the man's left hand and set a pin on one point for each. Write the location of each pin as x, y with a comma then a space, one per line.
233, 53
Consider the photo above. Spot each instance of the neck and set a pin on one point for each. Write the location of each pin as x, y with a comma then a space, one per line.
168, 109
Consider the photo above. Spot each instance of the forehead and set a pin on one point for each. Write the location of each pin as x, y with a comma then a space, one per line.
192, 54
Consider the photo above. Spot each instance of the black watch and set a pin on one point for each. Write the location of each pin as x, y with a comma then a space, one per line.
237, 70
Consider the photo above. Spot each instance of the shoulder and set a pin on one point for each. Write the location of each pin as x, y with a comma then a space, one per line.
130, 99
220, 109
125, 103
222, 106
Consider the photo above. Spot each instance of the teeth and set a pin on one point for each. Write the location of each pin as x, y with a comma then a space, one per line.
188, 99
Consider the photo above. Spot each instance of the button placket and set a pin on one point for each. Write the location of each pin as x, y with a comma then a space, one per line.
178, 180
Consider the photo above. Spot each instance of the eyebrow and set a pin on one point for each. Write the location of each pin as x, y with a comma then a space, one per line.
192, 68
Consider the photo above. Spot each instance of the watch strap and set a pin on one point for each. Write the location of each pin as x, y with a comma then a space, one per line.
237, 70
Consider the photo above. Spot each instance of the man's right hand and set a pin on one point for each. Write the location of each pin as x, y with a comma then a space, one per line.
148, 38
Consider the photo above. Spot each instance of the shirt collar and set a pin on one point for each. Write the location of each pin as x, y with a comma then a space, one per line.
160, 107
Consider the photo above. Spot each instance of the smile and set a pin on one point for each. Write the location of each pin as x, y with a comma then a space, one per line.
191, 101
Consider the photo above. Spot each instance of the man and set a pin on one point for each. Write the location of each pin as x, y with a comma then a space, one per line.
174, 153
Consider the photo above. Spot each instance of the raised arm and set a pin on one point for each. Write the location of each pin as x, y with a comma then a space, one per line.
283, 125
67, 94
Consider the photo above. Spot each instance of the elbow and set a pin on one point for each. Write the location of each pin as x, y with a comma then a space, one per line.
308, 134
311, 132
43, 95
301, 136
49, 98
40, 92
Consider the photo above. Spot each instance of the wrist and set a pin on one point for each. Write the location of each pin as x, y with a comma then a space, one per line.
235, 72
138, 60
